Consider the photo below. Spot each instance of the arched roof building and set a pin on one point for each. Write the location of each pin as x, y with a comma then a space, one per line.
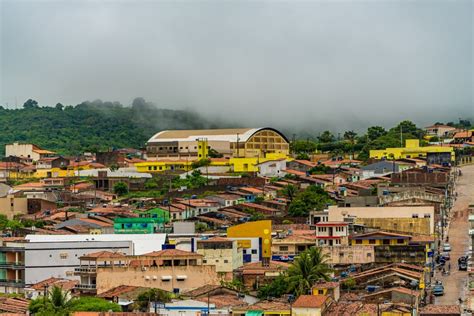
235, 142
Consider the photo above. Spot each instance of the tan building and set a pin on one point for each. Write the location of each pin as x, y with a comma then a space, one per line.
170, 270
345, 255
421, 217
28, 151
285, 249
440, 130
236, 142
222, 253
11, 205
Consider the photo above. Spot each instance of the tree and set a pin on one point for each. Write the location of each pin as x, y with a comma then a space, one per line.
303, 156
59, 106
30, 104
303, 147
375, 132
152, 295
120, 188
326, 137
434, 139
307, 269
313, 198
93, 304
56, 303
350, 136
290, 191
277, 288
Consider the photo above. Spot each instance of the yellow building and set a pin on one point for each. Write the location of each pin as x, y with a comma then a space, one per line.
257, 229
183, 164
379, 238
235, 142
412, 149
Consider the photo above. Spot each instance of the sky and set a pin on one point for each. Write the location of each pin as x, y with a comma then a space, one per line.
305, 64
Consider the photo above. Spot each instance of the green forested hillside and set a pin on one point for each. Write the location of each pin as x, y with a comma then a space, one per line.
96, 125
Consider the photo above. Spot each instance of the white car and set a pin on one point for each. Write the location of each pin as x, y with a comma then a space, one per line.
446, 247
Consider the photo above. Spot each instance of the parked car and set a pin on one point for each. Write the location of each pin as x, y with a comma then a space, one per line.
438, 290
446, 247
462, 266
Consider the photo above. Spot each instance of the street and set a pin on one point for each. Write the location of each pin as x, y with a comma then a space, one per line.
455, 284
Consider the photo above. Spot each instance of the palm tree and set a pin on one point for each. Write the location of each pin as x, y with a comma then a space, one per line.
56, 303
307, 269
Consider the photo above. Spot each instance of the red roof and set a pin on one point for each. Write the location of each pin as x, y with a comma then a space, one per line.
310, 301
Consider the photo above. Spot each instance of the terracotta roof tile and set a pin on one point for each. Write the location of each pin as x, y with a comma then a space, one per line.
310, 301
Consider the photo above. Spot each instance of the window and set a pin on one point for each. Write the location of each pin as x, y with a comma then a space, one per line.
372, 241
63, 255
244, 251
254, 251
358, 241
369, 255
226, 261
149, 167
400, 241
217, 260
427, 215
414, 216
341, 254
386, 241
283, 248
204, 261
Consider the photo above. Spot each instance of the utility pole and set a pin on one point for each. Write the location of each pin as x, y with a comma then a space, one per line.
401, 136
237, 145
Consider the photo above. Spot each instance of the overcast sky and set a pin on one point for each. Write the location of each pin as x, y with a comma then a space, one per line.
289, 63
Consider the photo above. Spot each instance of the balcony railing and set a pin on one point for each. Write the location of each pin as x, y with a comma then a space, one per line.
12, 282
84, 270
12, 265
85, 286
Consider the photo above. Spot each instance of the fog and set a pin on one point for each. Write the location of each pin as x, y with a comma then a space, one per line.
302, 65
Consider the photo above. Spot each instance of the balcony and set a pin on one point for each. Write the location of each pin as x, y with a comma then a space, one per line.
12, 265
85, 287
11, 282
82, 270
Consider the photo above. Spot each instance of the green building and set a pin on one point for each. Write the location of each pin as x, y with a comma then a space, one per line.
160, 215
138, 225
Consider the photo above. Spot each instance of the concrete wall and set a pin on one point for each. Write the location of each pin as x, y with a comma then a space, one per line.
58, 259
403, 225
11, 206
196, 276
339, 213
25, 150
350, 254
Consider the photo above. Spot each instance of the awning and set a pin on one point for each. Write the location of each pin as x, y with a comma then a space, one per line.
166, 277
253, 313
181, 277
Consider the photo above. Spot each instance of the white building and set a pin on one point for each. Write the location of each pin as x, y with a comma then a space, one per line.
272, 168
332, 233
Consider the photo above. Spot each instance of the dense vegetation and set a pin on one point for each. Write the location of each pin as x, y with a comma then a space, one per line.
376, 137
60, 303
91, 126
308, 268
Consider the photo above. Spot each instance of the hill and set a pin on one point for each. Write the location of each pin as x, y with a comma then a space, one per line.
91, 126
